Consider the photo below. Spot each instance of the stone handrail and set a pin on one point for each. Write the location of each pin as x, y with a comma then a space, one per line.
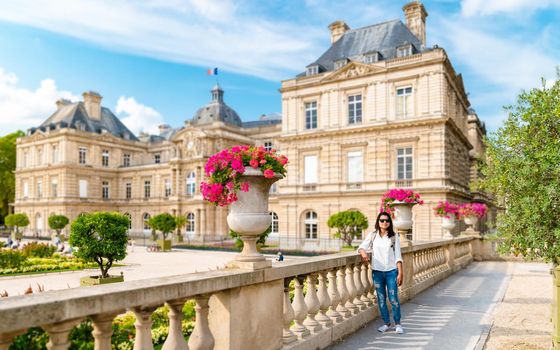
238, 309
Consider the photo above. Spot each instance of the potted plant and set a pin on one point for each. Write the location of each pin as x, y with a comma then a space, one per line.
17, 220
180, 222
58, 223
241, 177
449, 212
471, 212
102, 238
399, 202
164, 223
349, 224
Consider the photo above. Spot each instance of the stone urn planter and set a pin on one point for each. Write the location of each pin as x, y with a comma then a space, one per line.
403, 218
97, 280
249, 217
470, 221
448, 224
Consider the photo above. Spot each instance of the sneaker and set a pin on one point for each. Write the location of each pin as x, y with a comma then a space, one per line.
399, 329
383, 328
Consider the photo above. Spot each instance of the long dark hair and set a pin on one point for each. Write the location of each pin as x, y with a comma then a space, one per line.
390, 231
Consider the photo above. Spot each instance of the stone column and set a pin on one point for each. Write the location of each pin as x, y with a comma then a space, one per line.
351, 290
334, 298
103, 330
58, 334
201, 337
287, 335
300, 309
343, 292
312, 303
143, 325
324, 301
175, 340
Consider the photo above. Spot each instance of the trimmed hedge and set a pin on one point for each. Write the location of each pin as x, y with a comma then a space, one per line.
36, 265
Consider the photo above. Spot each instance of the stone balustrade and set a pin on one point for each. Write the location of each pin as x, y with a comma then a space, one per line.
300, 304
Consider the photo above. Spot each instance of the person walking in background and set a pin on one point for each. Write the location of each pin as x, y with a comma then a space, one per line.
387, 269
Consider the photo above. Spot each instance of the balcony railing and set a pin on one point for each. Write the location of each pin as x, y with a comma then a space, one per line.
238, 309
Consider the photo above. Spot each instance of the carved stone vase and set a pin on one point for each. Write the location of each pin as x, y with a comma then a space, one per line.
403, 218
448, 224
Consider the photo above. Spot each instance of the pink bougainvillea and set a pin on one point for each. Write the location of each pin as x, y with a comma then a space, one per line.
447, 210
224, 170
472, 209
401, 195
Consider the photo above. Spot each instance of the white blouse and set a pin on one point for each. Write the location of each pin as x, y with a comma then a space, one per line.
384, 257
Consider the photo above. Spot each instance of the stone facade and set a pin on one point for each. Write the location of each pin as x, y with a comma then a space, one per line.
353, 126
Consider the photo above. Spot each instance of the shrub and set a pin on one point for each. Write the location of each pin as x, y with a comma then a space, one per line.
10, 259
17, 220
163, 222
58, 223
349, 224
38, 250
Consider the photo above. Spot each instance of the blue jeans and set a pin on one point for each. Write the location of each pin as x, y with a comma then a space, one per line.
385, 282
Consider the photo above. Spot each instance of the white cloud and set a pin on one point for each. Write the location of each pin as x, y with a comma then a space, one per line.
21, 108
138, 117
490, 7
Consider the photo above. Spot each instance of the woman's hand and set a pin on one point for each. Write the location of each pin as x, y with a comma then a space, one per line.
364, 255
399, 278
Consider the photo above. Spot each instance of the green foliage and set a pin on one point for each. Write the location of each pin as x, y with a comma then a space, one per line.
180, 222
164, 223
17, 220
58, 223
35, 265
7, 167
11, 259
522, 171
349, 224
38, 250
100, 237
260, 242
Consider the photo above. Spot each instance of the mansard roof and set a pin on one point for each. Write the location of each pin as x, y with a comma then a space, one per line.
74, 116
355, 44
264, 120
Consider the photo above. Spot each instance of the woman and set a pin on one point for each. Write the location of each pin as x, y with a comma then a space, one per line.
387, 268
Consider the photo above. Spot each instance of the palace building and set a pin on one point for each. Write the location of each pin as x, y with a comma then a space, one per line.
378, 109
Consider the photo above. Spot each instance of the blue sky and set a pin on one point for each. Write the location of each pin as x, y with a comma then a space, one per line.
149, 58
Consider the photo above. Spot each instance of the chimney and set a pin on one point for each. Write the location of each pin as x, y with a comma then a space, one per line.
163, 128
416, 14
92, 102
61, 102
338, 29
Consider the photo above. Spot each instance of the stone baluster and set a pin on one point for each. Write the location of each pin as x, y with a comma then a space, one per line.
359, 287
287, 335
415, 264
371, 292
313, 304
351, 290
7, 338
300, 309
201, 337
58, 334
366, 286
103, 330
424, 269
175, 339
343, 292
324, 301
334, 297
143, 327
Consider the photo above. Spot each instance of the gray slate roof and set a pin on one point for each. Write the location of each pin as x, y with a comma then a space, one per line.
264, 120
382, 37
72, 115
216, 110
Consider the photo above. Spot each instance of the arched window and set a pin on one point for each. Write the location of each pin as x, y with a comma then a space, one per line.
129, 220
310, 225
191, 183
274, 229
190, 225
146, 217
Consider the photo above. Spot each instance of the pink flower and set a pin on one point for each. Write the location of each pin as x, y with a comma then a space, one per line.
244, 186
263, 161
269, 173
254, 163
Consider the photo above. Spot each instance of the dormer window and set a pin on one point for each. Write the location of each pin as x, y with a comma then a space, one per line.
371, 57
340, 63
404, 50
312, 70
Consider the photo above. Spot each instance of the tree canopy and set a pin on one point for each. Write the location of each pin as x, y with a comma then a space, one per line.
100, 237
17, 220
58, 223
7, 167
349, 224
164, 223
522, 171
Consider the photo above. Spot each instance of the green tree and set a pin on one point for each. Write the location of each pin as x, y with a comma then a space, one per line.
17, 220
348, 224
521, 169
58, 223
100, 237
7, 167
164, 223
180, 222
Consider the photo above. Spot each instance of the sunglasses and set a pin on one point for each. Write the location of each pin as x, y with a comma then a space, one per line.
383, 220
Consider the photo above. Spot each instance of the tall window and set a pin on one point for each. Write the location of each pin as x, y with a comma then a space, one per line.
126, 160
404, 102
54, 188
145, 219
355, 167
311, 115
105, 158
157, 158
82, 155
310, 170
354, 109
147, 189
54, 154
167, 187
191, 183
128, 187
25, 189
310, 225
83, 188
39, 189
274, 228
268, 145
190, 225
105, 189
404, 163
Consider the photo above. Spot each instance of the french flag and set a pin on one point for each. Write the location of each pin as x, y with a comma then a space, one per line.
212, 71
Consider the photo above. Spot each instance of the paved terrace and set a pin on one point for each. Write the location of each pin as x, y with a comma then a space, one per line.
452, 304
